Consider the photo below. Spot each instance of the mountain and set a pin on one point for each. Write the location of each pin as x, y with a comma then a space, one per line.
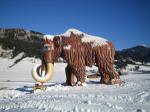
139, 53
14, 41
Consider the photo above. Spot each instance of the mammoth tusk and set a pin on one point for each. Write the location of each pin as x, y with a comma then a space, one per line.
48, 76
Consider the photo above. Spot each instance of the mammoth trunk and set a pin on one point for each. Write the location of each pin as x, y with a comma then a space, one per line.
37, 76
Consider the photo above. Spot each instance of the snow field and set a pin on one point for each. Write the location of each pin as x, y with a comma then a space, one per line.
16, 91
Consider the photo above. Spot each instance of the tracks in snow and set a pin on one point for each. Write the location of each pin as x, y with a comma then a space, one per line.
94, 97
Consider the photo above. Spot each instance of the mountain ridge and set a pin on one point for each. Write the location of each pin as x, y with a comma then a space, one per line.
134, 54
20, 40
29, 41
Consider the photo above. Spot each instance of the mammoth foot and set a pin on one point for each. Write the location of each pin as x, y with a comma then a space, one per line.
70, 83
76, 84
116, 81
81, 84
112, 81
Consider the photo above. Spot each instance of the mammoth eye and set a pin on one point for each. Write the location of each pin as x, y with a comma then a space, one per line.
45, 47
48, 47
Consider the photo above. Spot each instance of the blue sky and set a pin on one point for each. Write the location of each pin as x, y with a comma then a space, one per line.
125, 22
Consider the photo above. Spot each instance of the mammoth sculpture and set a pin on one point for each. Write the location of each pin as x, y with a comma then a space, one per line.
79, 50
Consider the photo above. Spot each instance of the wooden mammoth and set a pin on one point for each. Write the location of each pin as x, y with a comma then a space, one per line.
80, 50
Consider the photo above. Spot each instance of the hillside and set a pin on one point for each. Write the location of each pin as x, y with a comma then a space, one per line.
140, 53
14, 41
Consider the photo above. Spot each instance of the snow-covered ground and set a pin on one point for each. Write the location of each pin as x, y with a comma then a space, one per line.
16, 91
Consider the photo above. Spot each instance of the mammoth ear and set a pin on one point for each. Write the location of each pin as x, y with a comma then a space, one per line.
57, 41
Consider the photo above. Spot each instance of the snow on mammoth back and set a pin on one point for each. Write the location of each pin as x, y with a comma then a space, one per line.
49, 37
95, 40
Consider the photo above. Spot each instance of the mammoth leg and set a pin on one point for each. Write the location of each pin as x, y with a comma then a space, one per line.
105, 62
116, 78
82, 75
105, 79
69, 76
109, 75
